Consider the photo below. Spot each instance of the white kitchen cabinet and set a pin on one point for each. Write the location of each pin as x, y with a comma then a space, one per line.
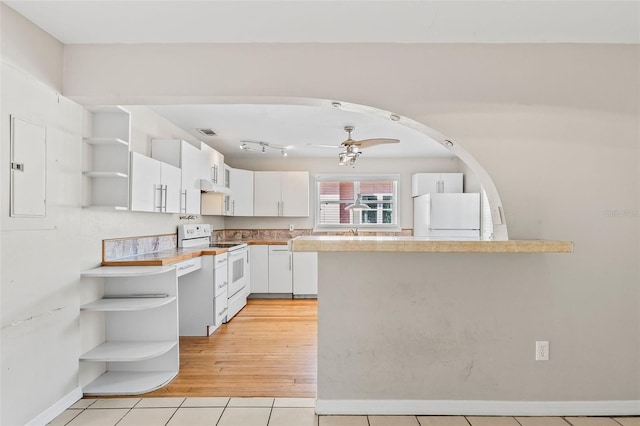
171, 181
141, 329
240, 201
430, 183
259, 268
106, 159
305, 274
155, 186
200, 295
145, 184
189, 159
281, 194
213, 164
280, 269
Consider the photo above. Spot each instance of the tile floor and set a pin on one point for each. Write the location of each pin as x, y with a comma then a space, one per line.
217, 411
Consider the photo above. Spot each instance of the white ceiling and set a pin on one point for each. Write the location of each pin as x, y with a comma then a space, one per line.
303, 21
295, 127
417, 21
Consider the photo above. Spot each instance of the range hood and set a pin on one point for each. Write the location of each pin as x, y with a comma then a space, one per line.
206, 185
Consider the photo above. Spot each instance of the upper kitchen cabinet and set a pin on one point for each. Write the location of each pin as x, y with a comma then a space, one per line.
106, 158
189, 159
240, 201
155, 186
213, 164
430, 183
281, 194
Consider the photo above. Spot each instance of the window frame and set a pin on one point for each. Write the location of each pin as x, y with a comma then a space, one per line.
357, 178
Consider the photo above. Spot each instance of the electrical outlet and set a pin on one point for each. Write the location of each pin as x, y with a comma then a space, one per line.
542, 350
291, 227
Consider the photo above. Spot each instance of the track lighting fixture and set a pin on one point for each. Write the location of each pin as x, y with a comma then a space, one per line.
247, 146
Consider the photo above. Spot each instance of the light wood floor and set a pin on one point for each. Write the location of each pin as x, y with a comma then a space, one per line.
268, 349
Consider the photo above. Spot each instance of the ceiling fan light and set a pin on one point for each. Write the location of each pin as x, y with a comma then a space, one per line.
342, 158
283, 153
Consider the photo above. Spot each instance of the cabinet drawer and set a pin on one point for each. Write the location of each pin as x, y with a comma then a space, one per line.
220, 260
187, 266
220, 281
220, 308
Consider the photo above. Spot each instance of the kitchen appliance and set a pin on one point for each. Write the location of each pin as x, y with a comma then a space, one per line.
238, 276
447, 216
199, 235
194, 235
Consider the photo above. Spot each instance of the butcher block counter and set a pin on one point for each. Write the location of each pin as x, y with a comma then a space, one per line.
177, 254
423, 245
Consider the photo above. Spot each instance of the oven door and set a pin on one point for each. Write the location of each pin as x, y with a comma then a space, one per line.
237, 270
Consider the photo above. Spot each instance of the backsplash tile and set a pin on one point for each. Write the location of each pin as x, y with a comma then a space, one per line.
118, 248
285, 234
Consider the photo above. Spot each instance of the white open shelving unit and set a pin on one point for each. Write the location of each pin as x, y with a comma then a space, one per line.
106, 159
140, 350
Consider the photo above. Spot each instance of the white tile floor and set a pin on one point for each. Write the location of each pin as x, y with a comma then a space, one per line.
277, 412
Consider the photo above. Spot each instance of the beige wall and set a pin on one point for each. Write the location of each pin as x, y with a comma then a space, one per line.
556, 127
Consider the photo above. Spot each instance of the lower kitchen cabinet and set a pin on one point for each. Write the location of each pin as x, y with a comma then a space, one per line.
200, 297
280, 269
271, 269
259, 266
305, 274
140, 350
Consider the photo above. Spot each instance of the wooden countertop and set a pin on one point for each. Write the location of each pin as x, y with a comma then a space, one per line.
167, 257
423, 245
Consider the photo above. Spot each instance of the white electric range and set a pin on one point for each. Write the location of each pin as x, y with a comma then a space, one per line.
199, 235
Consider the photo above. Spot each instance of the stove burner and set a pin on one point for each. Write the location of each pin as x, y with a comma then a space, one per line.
229, 244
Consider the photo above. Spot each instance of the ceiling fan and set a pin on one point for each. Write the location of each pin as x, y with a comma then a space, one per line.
352, 147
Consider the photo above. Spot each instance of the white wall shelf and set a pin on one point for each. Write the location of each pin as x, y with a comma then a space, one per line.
127, 351
128, 383
126, 271
126, 304
140, 347
106, 156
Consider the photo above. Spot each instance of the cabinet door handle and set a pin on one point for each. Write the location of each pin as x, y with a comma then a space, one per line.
182, 268
164, 196
184, 193
290, 262
157, 189
233, 207
214, 174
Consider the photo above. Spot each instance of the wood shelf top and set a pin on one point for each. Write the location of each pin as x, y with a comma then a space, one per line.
118, 351
127, 304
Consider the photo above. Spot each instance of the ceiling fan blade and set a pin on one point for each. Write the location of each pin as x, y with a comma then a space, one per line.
365, 143
323, 146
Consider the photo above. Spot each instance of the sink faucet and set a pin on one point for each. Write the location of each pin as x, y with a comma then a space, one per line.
354, 231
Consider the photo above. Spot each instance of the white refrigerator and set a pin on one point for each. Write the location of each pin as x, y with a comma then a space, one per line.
447, 216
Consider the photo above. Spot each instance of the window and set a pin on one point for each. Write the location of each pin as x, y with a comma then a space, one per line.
335, 192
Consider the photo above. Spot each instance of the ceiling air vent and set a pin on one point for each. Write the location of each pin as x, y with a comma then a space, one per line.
207, 132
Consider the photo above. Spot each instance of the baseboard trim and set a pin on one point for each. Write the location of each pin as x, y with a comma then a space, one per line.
56, 409
478, 408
